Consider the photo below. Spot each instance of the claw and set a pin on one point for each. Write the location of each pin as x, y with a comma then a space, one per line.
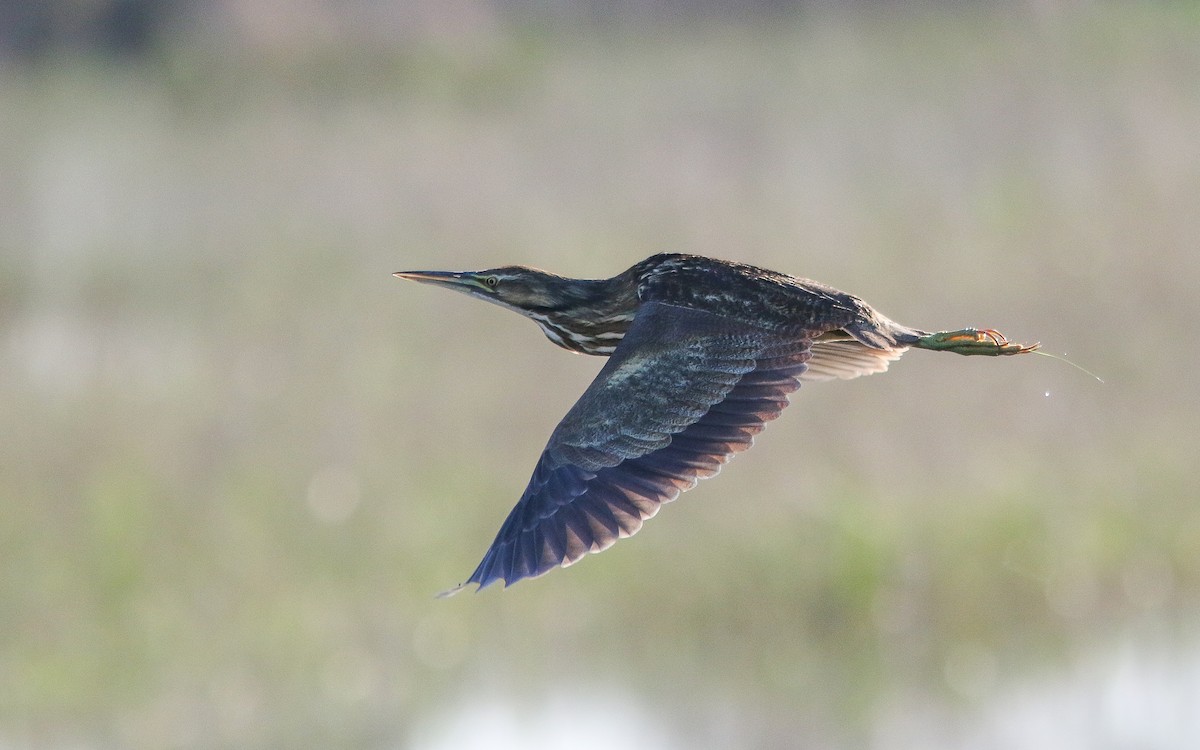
967, 341
998, 338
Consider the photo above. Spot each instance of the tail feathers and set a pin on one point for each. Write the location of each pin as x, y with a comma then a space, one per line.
880, 332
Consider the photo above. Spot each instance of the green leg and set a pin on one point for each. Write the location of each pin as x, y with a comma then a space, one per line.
973, 341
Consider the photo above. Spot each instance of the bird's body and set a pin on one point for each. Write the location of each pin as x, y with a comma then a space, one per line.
703, 352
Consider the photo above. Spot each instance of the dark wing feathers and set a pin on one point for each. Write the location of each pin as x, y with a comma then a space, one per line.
682, 392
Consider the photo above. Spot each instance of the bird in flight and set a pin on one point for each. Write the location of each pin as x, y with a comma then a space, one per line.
702, 353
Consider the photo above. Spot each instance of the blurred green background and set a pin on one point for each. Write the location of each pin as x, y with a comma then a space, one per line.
239, 459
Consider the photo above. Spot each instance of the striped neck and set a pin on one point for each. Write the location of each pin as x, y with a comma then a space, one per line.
592, 316
598, 336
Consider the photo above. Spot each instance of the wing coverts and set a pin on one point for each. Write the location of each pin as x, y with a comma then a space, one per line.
683, 391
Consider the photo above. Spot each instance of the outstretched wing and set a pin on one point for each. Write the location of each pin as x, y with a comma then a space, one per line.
683, 391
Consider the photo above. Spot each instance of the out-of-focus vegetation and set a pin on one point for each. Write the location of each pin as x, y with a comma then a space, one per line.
238, 459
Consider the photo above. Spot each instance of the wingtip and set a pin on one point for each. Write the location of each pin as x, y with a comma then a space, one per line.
452, 591
479, 586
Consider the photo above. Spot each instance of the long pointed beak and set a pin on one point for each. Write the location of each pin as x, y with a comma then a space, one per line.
458, 280
434, 277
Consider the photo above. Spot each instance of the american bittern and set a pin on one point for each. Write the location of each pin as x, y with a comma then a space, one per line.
702, 353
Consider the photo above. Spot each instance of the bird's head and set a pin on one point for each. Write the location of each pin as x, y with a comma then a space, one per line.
520, 288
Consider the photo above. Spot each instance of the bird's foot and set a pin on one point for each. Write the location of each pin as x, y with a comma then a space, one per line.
974, 341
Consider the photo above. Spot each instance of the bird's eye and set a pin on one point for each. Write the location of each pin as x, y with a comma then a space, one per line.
491, 281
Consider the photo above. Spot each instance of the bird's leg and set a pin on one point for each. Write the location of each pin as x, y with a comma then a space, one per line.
973, 341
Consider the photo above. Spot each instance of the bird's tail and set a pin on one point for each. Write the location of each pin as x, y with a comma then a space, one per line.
877, 331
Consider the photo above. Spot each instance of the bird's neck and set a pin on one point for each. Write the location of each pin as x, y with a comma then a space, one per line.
594, 317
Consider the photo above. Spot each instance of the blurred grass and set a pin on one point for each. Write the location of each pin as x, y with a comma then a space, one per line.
242, 458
